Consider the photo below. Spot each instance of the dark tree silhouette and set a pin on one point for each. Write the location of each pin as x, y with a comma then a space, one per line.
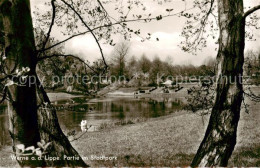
33, 120
220, 137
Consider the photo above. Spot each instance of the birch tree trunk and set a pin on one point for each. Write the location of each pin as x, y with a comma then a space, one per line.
31, 116
220, 137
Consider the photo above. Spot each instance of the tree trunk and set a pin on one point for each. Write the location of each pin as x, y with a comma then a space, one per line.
220, 137
50, 131
31, 116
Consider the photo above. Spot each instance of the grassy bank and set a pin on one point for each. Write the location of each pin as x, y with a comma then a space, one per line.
157, 142
166, 141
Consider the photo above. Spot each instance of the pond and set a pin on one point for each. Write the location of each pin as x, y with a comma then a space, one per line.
102, 111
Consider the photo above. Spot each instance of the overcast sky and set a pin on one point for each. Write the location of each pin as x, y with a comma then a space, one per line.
168, 30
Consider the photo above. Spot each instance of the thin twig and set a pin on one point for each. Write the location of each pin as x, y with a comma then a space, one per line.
91, 31
68, 55
51, 25
112, 24
252, 10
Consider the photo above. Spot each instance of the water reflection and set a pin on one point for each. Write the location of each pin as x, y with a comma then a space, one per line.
104, 110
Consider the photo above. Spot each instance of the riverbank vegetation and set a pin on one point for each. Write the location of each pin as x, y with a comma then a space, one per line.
165, 141
146, 143
66, 74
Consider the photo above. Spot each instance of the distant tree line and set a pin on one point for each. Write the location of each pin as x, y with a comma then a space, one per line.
142, 70
252, 66
135, 70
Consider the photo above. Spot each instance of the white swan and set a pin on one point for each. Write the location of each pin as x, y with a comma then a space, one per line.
83, 123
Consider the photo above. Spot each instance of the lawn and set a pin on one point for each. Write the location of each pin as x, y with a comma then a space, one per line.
168, 141
165, 141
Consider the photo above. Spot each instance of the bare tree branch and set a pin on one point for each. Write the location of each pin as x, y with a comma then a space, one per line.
252, 10
109, 25
252, 96
68, 55
51, 25
106, 13
91, 31
195, 39
63, 41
